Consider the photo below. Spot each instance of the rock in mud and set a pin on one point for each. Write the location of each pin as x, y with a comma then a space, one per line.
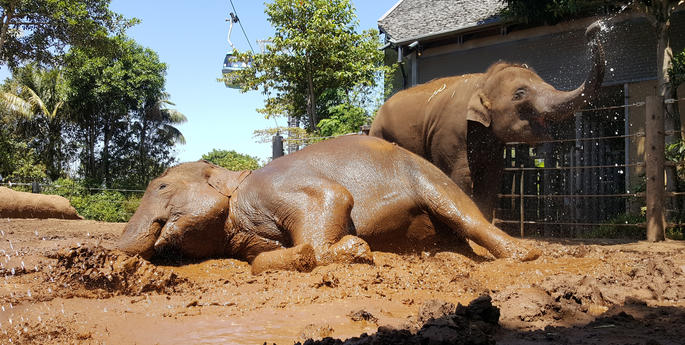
108, 273
362, 315
474, 324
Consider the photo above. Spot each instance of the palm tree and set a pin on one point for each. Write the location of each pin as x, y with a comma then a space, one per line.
156, 118
37, 96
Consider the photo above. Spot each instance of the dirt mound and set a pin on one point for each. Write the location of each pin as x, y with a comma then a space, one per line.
443, 323
15, 204
108, 273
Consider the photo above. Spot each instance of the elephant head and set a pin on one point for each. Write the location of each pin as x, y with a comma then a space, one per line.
185, 210
518, 105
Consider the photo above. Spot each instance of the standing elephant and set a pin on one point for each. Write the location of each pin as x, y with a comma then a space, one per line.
461, 123
326, 203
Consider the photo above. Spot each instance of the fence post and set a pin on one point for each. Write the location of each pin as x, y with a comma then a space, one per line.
521, 213
277, 146
654, 168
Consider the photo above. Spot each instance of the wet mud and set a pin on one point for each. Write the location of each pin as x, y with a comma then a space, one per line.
61, 285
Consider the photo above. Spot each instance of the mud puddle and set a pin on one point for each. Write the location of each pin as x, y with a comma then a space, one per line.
61, 286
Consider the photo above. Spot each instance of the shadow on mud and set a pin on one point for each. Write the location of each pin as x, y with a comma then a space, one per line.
442, 323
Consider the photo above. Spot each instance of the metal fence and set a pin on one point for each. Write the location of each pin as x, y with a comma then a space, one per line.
569, 187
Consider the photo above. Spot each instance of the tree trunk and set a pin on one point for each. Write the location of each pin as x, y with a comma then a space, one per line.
107, 135
311, 100
143, 163
662, 20
6, 22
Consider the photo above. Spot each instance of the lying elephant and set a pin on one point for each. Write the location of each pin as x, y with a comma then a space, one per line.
15, 204
325, 202
461, 123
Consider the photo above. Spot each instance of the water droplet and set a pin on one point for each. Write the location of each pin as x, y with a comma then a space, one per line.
105, 309
611, 69
28, 293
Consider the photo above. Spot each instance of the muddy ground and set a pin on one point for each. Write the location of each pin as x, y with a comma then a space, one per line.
60, 286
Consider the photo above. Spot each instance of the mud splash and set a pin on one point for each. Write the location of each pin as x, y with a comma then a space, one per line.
106, 273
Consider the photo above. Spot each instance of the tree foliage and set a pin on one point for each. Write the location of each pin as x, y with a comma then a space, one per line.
554, 11
232, 160
41, 30
315, 54
36, 96
344, 118
117, 98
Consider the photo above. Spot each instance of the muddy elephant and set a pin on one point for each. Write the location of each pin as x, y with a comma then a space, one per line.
326, 203
461, 123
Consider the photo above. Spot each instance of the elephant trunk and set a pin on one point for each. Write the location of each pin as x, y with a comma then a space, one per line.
562, 105
140, 235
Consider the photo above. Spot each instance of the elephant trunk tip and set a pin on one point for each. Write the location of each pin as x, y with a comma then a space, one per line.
593, 30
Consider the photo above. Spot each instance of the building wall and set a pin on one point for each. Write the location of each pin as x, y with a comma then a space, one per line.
560, 58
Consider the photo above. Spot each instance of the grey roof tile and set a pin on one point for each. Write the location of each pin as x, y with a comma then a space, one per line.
411, 19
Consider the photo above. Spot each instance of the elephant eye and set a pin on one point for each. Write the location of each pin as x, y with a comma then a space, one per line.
519, 94
162, 186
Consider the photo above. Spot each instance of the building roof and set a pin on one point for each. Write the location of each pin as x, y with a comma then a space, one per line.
410, 20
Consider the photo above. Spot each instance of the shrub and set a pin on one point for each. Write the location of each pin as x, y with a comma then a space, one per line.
106, 206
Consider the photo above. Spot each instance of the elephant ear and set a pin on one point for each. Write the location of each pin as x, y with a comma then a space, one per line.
477, 109
225, 181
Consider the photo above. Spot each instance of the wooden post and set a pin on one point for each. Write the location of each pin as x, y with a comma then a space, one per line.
654, 168
521, 203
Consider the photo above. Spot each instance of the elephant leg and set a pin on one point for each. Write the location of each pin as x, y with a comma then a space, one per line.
486, 186
461, 175
299, 258
455, 209
325, 223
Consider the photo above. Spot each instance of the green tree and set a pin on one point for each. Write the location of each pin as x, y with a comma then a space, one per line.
41, 30
345, 118
315, 54
156, 128
37, 97
114, 92
232, 160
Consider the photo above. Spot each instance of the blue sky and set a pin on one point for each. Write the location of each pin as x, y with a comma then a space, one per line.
190, 37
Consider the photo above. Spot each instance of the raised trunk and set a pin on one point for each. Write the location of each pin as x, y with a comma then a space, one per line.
563, 104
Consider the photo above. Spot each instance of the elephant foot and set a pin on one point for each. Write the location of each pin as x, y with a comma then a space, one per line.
519, 253
527, 254
300, 258
350, 249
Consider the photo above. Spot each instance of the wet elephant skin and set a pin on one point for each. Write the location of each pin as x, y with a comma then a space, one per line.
461, 123
320, 205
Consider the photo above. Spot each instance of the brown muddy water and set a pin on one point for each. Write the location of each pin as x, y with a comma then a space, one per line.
61, 286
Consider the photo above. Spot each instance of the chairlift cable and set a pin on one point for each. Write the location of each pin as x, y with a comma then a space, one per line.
241, 27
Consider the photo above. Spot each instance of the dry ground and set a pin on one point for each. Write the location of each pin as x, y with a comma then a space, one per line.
60, 287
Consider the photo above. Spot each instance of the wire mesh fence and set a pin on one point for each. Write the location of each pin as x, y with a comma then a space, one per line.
580, 186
